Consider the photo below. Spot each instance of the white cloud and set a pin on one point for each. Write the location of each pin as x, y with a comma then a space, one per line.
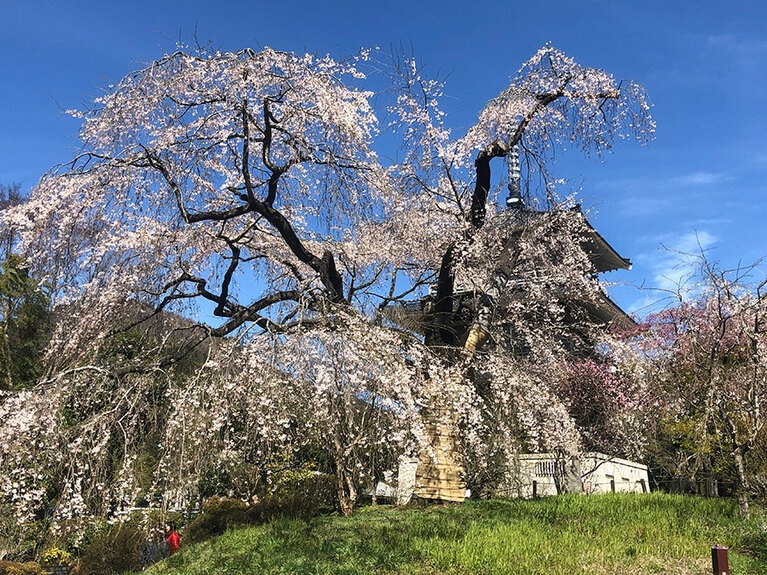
746, 52
692, 242
667, 268
695, 179
650, 196
675, 260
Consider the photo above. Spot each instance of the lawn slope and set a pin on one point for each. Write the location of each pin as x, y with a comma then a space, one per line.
597, 535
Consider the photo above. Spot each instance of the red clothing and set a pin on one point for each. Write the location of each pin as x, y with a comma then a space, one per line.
174, 542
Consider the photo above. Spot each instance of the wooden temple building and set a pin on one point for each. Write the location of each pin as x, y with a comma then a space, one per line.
437, 474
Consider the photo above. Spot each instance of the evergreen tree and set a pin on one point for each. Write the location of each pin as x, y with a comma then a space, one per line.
24, 309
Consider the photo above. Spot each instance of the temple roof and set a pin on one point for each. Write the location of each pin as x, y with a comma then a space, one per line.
604, 258
606, 311
602, 255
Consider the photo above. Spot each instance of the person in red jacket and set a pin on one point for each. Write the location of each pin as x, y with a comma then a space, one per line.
173, 539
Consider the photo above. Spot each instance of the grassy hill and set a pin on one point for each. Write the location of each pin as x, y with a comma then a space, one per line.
596, 535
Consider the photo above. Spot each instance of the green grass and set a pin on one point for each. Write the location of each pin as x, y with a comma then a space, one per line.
596, 535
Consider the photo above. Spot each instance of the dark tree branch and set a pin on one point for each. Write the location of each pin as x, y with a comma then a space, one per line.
443, 306
482, 184
251, 313
324, 266
246, 153
226, 282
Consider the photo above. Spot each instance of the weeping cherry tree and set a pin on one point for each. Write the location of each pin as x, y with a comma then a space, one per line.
246, 189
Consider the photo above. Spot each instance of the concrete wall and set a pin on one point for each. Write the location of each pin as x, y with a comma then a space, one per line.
601, 474
543, 474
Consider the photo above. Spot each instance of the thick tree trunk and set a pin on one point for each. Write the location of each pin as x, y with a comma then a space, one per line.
742, 487
444, 332
345, 489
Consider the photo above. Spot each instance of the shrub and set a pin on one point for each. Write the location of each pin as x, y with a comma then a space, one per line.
56, 557
218, 515
17, 541
300, 498
755, 543
114, 549
14, 568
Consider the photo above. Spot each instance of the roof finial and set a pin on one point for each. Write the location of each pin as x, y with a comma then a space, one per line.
514, 200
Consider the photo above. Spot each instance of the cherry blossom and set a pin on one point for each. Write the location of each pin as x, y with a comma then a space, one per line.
247, 190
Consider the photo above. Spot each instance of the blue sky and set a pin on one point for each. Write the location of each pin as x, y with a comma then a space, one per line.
704, 64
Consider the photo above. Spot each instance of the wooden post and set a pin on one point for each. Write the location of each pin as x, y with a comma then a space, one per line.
719, 560
439, 475
643, 483
612, 485
535, 489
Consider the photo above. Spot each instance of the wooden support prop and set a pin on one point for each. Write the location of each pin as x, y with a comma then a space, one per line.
719, 560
